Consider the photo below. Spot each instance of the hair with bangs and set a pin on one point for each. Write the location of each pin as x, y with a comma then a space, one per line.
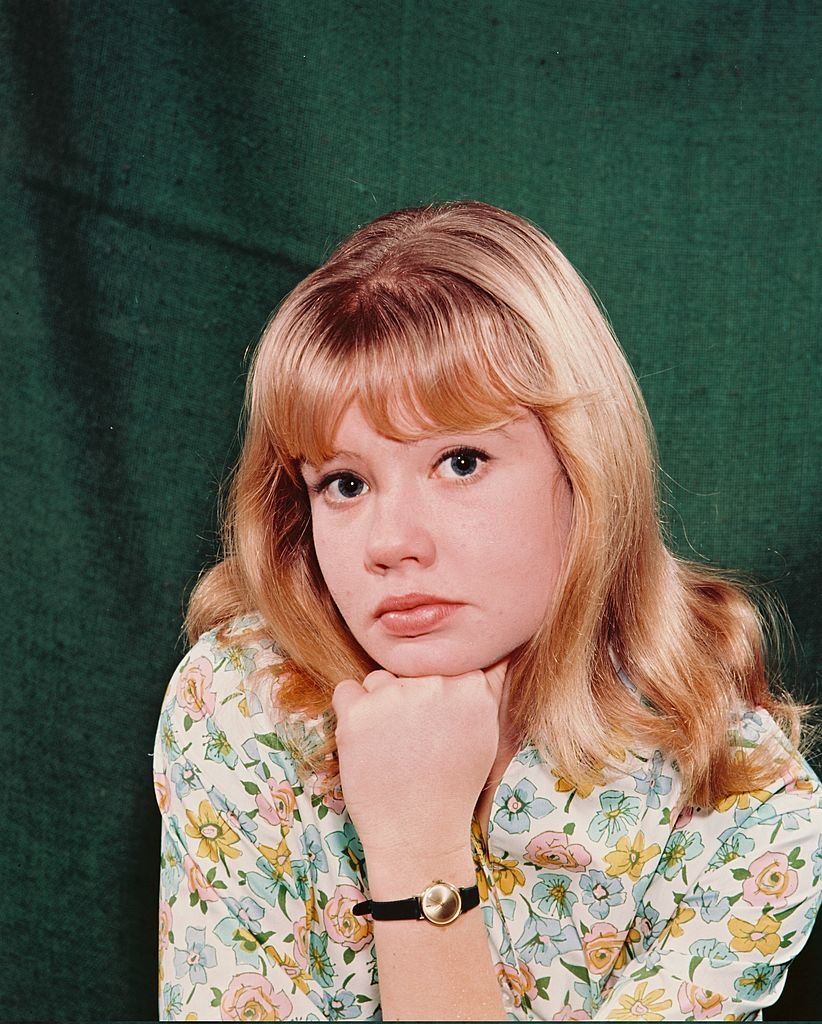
457, 313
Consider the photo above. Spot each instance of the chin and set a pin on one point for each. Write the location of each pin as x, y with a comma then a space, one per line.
410, 662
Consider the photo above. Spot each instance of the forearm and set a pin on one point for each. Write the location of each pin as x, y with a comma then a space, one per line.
428, 971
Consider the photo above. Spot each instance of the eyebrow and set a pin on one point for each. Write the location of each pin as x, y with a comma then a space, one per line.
345, 453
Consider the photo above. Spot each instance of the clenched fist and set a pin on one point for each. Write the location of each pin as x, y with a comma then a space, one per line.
415, 753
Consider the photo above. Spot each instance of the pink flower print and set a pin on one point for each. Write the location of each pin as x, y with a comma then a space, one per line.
301, 936
197, 881
683, 818
161, 791
771, 881
699, 1003
165, 924
250, 996
328, 788
566, 1013
521, 982
280, 809
552, 849
797, 780
194, 691
342, 926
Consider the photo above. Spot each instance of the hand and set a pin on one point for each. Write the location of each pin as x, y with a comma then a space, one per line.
415, 753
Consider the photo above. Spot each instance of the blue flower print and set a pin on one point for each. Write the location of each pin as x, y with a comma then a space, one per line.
648, 923
733, 843
320, 963
185, 778
544, 938
168, 741
755, 980
489, 913
765, 814
196, 957
553, 894
239, 820
217, 747
681, 847
340, 1005
518, 806
617, 811
285, 763
239, 929
587, 994
313, 852
300, 736
711, 906
750, 727
171, 863
528, 755
811, 912
251, 749
715, 952
272, 879
347, 846
816, 860
172, 1000
600, 893
653, 781
241, 659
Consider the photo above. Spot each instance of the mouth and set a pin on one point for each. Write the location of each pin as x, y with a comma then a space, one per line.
416, 621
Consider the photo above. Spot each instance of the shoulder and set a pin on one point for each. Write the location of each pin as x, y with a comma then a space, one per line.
220, 667
754, 728
220, 702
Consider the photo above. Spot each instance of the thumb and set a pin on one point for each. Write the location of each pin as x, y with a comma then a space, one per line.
495, 674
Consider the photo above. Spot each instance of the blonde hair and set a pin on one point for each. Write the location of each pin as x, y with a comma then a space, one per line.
460, 311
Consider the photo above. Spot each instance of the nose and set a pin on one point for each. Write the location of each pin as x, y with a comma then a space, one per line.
398, 531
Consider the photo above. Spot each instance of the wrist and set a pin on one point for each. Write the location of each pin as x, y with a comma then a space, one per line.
395, 876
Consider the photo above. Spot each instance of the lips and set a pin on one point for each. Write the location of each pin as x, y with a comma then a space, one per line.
416, 621
402, 602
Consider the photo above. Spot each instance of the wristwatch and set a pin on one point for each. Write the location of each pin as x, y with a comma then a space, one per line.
440, 903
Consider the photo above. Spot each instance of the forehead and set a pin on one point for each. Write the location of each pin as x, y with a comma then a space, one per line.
356, 435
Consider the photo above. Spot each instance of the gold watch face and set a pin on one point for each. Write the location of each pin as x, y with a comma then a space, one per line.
441, 903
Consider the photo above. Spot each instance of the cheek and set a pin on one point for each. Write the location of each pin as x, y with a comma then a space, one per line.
338, 563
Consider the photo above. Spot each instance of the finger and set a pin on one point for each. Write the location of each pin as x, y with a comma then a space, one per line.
346, 693
378, 679
495, 674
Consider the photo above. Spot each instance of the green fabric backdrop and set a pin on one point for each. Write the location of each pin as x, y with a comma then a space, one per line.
170, 170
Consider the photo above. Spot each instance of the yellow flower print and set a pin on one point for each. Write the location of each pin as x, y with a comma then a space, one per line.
742, 800
506, 874
298, 975
279, 859
564, 785
674, 925
640, 1006
214, 834
764, 935
630, 857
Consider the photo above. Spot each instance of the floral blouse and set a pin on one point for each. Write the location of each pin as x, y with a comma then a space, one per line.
604, 903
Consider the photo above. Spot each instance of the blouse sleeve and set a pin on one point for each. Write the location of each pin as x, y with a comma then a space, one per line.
235, 906
718, 941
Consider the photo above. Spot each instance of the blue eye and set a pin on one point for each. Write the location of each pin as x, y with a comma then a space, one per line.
465, 454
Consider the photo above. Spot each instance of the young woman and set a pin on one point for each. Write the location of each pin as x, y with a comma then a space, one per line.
458, 737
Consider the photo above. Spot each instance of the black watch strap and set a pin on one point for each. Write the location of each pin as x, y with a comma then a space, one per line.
411, 909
